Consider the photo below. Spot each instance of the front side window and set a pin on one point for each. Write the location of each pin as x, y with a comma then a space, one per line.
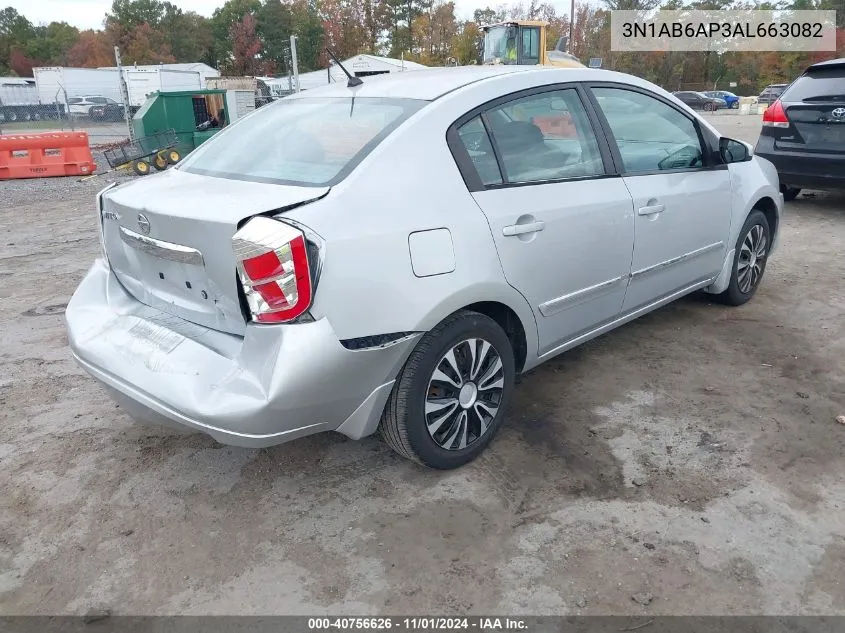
530, 53
500, 45
312, 142
545, 136
651, 135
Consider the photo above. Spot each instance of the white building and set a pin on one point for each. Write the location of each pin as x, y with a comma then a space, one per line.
205, 71
360, 66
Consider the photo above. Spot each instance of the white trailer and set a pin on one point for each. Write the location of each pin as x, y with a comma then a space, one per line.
143, 83
19, 101
57, 84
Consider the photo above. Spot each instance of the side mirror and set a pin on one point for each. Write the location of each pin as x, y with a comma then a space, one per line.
733, 151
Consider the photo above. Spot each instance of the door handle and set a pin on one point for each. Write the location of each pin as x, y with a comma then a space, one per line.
520, 229
652, 209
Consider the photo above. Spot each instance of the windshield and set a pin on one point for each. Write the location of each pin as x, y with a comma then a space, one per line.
307, 142
500, 44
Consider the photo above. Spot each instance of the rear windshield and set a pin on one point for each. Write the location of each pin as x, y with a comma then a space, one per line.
818, 85
311, 142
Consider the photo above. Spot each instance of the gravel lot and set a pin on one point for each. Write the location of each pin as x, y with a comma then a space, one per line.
687, 462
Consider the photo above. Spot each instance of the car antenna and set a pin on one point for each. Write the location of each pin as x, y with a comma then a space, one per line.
353, 81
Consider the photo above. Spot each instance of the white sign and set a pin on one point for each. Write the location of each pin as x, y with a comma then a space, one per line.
595, 62
732, 84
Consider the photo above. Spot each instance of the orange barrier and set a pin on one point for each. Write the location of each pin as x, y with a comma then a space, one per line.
45, 154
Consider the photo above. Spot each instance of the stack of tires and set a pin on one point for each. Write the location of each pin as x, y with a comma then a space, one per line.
160, 161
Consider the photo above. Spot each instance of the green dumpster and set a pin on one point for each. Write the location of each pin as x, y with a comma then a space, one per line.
184, 112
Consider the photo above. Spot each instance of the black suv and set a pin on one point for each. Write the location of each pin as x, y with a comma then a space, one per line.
803, 132
771, 93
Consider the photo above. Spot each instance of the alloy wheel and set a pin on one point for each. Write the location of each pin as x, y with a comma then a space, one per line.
464, 394
752, 256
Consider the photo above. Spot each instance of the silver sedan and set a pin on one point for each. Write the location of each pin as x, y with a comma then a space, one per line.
388, 256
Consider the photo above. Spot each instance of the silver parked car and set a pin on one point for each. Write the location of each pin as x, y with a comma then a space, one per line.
390, 255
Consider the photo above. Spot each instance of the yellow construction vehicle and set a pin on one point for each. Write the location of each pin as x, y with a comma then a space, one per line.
524, 42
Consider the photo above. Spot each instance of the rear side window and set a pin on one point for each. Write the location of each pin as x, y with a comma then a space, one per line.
74, 100
312, 142
477, 143
818, 85
545, 136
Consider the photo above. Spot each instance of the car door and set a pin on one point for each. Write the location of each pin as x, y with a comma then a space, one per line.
681, 193
691, 99
561, 219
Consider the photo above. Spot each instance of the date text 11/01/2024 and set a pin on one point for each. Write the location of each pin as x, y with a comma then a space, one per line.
723, 29
418, 623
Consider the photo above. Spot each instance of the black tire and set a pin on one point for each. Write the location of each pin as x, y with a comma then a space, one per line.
736, 295
404, 424
173, 156
11, 115
789, 193
160, 161
708, 107
141, 167
735, 105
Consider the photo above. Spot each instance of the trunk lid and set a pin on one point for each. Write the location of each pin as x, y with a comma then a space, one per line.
168, 239
814, 105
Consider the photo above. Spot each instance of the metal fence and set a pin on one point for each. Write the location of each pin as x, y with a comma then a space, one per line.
85, 107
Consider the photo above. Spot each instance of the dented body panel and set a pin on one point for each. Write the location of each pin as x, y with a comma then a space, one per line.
273, 384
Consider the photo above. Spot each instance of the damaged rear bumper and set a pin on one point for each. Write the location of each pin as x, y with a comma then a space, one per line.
274, 384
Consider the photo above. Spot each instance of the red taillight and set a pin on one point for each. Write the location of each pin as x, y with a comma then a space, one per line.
774, 116
273, 269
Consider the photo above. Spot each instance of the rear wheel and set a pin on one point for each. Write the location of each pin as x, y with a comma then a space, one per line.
789, 193
752, 250
708, 106
451, 395
141, 167
173, 156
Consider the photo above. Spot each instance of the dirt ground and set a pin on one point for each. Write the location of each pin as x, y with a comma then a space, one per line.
689, 462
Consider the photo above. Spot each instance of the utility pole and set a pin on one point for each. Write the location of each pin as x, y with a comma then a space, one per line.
571, 27
124, 94
295, 63
289, 68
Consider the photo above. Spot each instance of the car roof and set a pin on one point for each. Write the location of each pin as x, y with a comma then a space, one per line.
431, 83
830, 63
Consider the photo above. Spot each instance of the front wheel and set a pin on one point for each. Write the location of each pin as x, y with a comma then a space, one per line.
752, 250
735, 105
451, 395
